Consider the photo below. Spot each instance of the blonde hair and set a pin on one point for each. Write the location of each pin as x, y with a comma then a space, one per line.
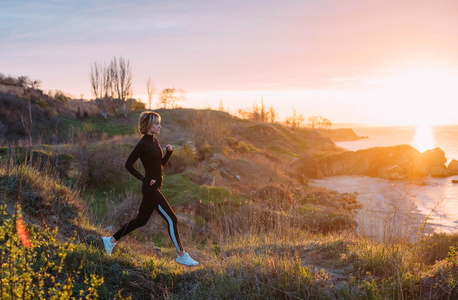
146, 120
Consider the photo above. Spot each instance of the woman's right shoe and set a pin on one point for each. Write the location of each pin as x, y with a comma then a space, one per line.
186, 260
108, 244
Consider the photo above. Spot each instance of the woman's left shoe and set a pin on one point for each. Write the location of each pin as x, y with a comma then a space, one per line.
186, 260
108, 244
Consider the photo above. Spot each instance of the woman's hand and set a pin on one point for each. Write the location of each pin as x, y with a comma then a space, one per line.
149, 181
169, 147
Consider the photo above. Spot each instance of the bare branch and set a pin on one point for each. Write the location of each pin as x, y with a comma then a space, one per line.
97, 88
122, 82
151, 89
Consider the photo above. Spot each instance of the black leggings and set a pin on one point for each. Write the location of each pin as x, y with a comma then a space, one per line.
153, 200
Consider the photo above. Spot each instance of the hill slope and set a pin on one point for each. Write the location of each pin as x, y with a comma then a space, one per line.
245, 209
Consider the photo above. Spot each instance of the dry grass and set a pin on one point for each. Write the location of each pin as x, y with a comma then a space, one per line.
252, 246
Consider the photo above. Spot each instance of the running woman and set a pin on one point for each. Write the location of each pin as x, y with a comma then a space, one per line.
150, 153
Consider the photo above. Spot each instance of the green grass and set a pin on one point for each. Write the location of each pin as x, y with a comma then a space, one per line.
178, 189
282, 150
111, 127
101, 198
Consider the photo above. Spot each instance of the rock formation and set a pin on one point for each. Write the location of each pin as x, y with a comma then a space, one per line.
397, 162
453, 167
340, 134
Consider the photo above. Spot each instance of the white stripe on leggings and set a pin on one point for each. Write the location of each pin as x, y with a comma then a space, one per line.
172, 232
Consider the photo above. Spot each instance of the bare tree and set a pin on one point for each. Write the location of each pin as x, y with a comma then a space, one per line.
272, 114
97, 88
108, 89
121, 76
326, 123
295, 120
169, 96
34, 84
243, 113
313, 120
255, 113
221, 105
262, 112
319, 122
151, 89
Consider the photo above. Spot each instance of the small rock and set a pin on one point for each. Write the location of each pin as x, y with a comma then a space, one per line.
438, 171
157, 251
216, 161
453, 166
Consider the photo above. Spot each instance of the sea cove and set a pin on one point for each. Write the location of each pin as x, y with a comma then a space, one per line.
402, 205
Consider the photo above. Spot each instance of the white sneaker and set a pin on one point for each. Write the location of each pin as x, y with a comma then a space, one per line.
108, 244
186, 260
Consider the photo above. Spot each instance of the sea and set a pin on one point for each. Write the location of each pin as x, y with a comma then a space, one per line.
402, 208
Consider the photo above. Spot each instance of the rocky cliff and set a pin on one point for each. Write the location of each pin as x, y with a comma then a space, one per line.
340, 135
397, 162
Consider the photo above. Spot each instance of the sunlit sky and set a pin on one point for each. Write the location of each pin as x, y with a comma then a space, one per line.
354, 61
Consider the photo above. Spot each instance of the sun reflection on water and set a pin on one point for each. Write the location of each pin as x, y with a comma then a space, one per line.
424, 139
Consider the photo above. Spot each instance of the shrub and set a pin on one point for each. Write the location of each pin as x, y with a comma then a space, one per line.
209, 131
443, 277
41, 195
12, 108
99, 162
105, 164
183, 157
34, 265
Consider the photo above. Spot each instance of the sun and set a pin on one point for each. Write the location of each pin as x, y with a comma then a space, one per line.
424, 138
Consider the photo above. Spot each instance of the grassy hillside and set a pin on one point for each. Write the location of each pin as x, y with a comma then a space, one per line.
246, 213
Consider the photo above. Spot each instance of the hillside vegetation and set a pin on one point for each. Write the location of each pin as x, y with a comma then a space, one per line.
246, 212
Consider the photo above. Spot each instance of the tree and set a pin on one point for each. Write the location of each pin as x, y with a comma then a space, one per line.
22, 81
313, 121
295, 120
151, 89
255, 113
272, 114
326, 123
262, 112
97, 89
108, 88
242, 113
121, 77
221, 105
34, 84
319, 122
112, 82
169, 96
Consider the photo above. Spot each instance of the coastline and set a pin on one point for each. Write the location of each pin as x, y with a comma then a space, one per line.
399, 207
388, 204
